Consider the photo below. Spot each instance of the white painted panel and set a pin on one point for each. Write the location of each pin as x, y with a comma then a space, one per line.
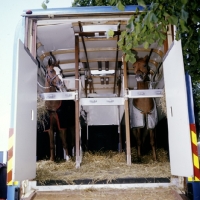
145, 93
177, 112
102, 101
25, 119
58, 96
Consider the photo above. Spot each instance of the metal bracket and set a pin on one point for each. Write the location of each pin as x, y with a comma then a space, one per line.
107, 80
99, 66
102, 80
106, 65
96, 34
126, 94
76, 95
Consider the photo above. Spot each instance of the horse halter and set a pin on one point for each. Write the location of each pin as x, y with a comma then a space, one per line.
143, 77
50, 79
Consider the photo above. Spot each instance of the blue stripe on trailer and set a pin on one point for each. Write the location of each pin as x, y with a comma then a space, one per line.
1, 156
190, 98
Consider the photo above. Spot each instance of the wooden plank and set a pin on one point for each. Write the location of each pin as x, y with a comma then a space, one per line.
104, 22
90, 60
66, 51
100, 33
99, 39
116, 63
126, 107
34, 39
77, 128
106, 88
97, 76
26, 32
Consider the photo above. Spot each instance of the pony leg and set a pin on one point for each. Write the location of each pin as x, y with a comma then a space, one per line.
152, 142
63, 136
52, 145
72, 130
137, 134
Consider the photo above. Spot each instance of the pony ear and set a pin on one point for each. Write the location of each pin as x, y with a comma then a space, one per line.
151, 72
50, 61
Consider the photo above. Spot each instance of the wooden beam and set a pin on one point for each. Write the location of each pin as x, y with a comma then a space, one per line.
77, 128
26, 32
127, 121
88, 76
116, 63
106, 88
99, 33
66, 51
98, 39
104, 22
90, 60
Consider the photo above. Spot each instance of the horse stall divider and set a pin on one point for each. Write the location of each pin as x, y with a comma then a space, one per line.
126, 110
77, 124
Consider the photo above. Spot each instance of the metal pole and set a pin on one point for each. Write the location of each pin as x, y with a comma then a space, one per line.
77, 128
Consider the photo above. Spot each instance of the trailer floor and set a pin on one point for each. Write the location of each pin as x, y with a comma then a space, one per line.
160, 193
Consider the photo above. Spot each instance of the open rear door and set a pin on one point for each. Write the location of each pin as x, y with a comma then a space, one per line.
177, 112
24, 152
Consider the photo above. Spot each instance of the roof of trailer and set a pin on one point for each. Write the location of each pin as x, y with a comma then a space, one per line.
98, 54
83, 10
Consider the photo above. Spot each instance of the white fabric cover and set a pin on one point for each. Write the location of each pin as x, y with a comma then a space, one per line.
137, 118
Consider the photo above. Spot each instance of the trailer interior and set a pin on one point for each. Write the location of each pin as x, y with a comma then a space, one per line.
99, 80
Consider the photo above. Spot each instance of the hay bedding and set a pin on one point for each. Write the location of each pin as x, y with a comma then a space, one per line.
42, 112
104, 166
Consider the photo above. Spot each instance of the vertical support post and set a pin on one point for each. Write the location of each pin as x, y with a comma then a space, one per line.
26, 32
165, 46
127, 121
78, 159
34, 38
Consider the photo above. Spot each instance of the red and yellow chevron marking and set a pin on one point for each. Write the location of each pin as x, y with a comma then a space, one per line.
194, 154
10, 158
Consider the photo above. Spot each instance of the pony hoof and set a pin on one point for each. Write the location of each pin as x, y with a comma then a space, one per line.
67, 158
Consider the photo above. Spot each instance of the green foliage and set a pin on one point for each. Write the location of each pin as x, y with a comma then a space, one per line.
119, 3
150, 26
110, 34
44, 4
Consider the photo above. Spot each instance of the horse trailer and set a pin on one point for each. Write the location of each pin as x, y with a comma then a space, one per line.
101, 84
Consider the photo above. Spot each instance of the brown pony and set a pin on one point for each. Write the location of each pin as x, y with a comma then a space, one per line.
52, 84
144, 106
